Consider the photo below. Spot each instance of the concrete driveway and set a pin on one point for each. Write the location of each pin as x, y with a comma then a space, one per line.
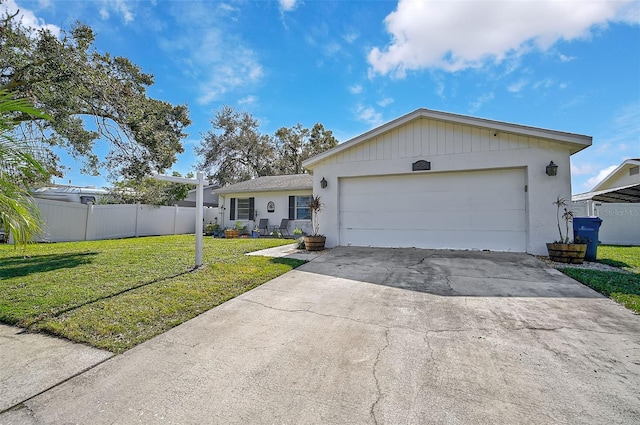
377, 336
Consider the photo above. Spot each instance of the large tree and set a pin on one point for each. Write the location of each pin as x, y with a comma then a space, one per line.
148, 190
295, 144
19, 214
90, 96
236, 150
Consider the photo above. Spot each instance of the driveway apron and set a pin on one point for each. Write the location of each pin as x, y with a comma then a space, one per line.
377, 336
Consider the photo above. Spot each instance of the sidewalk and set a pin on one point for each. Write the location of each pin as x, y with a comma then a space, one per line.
32, 363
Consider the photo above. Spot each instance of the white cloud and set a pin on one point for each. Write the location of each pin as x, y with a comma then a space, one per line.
544, 84
288, 5
517, 86
351, 36
368, 115
601, 175
218, 60
581, 169
120, 7
480, 101
565, 58
455, 35
27, 17
248, 100
385, 102
355, 89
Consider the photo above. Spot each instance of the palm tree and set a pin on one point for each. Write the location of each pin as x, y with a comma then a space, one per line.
19, 214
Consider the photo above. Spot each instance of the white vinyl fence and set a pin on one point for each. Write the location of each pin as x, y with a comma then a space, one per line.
620, 222
67, 221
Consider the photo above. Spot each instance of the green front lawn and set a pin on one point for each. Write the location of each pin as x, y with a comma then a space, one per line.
621, 287
115, 294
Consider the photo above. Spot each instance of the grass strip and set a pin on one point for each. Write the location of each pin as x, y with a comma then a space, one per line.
623, 288
115, 294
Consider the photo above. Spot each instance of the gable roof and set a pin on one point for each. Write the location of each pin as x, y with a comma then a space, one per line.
629, 193
577, 142
271, 184
617, 173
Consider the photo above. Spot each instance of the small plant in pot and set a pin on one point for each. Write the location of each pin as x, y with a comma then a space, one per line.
315, 241
562, 250
298, 235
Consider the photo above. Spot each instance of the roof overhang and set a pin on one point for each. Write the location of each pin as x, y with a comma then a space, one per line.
622, 167
577, 142
630, 193
224, 191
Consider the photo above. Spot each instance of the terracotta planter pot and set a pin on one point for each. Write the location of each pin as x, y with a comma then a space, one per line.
572, 253
230, 234
314, 243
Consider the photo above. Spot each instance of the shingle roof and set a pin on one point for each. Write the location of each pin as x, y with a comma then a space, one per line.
270, 184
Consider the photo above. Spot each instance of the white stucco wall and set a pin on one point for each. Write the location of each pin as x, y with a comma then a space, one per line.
281, 201
452, 147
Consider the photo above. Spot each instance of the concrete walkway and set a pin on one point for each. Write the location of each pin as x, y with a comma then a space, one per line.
32, 363
377, 336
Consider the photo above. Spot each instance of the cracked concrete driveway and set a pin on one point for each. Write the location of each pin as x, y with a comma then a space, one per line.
377, 336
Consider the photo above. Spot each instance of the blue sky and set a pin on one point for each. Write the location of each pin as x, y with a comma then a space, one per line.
352, 65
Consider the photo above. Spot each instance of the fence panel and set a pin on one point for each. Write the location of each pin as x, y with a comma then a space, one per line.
155, 220
111, 221
620, 223
67, 221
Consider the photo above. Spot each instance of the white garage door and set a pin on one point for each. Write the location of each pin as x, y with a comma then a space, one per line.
463, 210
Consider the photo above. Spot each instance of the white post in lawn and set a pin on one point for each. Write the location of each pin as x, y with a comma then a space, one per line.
199, 182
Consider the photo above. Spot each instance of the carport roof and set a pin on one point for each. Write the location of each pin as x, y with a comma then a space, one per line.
577, 142
630, 193
270, 184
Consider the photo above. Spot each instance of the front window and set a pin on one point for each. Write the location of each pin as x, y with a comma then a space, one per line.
243, 209
302, 208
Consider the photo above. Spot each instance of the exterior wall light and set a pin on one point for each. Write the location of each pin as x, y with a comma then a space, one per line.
552, 169
323, 183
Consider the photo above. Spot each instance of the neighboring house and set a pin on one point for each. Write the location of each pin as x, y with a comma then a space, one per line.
616, 200
81, 195
620, 186
210, 197
270, 197
438, 180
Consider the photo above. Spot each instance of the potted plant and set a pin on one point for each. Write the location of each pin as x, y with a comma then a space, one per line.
235, 232
315, 241
298, 235
255, 233
208, 229
562, 250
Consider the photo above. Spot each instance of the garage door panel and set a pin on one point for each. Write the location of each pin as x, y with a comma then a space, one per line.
439, 220
436, 239
466, 210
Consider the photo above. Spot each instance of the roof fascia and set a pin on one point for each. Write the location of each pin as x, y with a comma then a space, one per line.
577, 141
614, 173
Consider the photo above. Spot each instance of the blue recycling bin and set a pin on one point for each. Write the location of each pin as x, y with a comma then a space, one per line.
585, 229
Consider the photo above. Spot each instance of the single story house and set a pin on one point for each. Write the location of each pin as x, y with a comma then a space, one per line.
270, 197
210, 197
432, 179
616, 200
620, 186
